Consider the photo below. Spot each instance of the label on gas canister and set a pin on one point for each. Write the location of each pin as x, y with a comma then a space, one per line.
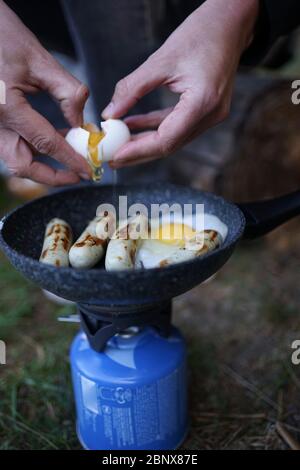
136, 416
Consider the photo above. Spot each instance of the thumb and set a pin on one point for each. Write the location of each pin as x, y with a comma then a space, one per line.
133, 87
64, 87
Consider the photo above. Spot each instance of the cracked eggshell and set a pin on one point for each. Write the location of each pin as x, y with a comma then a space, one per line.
116, 135
78, 138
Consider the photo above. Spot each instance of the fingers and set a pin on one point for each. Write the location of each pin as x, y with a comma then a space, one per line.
66, 89
42, 136
42, 173
132, 88
191, 116
138, 150
17, 158
172, 131
147, 121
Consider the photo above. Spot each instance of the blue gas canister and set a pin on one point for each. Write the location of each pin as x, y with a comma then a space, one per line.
132, 395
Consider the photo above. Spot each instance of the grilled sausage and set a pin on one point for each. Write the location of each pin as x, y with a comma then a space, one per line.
122, 247
88, 250
211, 240
57, 242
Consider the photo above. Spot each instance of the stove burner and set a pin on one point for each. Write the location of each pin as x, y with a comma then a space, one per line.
100, 323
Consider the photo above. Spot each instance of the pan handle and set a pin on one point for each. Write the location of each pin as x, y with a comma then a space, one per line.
264, 216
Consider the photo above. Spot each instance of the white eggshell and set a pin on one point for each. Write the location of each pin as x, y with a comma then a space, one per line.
116, 135
78, 138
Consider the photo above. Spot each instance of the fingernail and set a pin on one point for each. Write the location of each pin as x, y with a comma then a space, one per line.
85, 176
108, 111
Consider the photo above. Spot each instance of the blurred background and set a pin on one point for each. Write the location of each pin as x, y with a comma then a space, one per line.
244, 390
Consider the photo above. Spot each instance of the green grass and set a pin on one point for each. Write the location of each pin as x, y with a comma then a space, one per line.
36, 405
36, 408
15, 303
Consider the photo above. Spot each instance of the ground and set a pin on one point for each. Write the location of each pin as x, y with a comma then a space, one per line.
239, 328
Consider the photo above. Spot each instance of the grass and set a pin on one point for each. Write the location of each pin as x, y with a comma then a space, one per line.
36, 409
36, 406
239, 328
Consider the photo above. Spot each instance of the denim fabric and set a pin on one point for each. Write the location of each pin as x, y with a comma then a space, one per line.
112, 38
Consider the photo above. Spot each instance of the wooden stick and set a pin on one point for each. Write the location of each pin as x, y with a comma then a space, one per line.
287, 437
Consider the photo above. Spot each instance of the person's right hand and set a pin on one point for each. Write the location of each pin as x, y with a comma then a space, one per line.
26, 67
198, 62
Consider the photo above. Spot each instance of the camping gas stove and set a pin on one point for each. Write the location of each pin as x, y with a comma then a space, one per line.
129, 377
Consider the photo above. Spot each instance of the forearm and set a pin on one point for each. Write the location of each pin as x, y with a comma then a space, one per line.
242, 14
232, 21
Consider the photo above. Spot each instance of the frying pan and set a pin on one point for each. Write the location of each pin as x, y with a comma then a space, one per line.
22, 232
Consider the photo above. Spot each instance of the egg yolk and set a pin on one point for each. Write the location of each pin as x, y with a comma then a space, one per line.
95, 160
174, 233
94, 139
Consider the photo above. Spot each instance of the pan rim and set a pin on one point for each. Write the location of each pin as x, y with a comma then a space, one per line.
120, 274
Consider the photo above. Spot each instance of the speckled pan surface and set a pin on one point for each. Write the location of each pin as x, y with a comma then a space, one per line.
22, 233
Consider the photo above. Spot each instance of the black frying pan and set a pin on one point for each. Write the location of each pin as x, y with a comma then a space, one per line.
22, 232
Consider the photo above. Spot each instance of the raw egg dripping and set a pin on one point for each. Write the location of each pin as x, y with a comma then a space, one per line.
98, 146
95, 159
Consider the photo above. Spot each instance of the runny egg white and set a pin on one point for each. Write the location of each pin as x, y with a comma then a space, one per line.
175, 242
99, 145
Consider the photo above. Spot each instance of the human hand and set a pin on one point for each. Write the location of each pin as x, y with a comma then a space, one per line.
199, 62
26, 67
